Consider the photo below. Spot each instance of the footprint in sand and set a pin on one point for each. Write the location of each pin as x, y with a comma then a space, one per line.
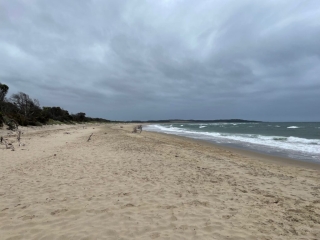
155, 235
27, 217
173, 218
58, 211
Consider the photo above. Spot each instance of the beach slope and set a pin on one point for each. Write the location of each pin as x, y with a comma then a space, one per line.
123, 185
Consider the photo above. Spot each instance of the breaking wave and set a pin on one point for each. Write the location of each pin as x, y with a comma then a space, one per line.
311, 146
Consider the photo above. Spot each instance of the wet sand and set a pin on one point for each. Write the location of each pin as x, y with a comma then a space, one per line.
122, 185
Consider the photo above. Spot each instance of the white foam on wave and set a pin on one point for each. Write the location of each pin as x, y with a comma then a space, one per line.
311, 146
293, 127
223, 123
202, 126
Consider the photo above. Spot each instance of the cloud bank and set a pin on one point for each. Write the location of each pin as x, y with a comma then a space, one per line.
126, 60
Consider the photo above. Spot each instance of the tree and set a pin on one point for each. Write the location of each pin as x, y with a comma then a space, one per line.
56, 113
22, 110
27, 106
3, 91
79, 117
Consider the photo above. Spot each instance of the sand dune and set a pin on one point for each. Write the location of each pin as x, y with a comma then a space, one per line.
122, 185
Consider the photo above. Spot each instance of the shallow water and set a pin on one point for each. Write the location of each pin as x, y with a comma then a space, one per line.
298, 140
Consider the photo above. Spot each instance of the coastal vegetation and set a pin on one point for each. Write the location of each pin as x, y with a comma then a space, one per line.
21, 109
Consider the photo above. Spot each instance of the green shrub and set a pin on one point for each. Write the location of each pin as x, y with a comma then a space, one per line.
10, 123
1, 120
54, 122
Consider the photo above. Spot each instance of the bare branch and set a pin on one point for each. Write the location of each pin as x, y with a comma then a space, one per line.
19, 136
89, 137
8, 146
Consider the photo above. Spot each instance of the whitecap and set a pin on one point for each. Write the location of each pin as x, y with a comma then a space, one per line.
310, 146
293, 127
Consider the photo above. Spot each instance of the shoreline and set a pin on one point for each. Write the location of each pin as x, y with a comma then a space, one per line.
293, 150
268, 158
123, 185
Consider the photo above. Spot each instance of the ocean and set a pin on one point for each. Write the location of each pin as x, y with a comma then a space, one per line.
296, 140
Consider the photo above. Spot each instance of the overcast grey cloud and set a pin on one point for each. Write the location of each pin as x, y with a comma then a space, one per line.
125, 60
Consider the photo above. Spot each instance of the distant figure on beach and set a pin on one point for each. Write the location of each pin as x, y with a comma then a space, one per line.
136, 128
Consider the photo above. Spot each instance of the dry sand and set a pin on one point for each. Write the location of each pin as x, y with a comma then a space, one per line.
122, 185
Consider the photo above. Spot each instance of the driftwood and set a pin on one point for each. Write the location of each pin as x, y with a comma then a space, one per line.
89, 137
8, 146
19, 136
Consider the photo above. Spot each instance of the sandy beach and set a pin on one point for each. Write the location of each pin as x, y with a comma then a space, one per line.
123, 185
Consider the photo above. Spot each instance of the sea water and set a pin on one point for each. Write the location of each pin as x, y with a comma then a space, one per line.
297, 140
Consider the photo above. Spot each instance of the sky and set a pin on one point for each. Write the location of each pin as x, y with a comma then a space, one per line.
165, 59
